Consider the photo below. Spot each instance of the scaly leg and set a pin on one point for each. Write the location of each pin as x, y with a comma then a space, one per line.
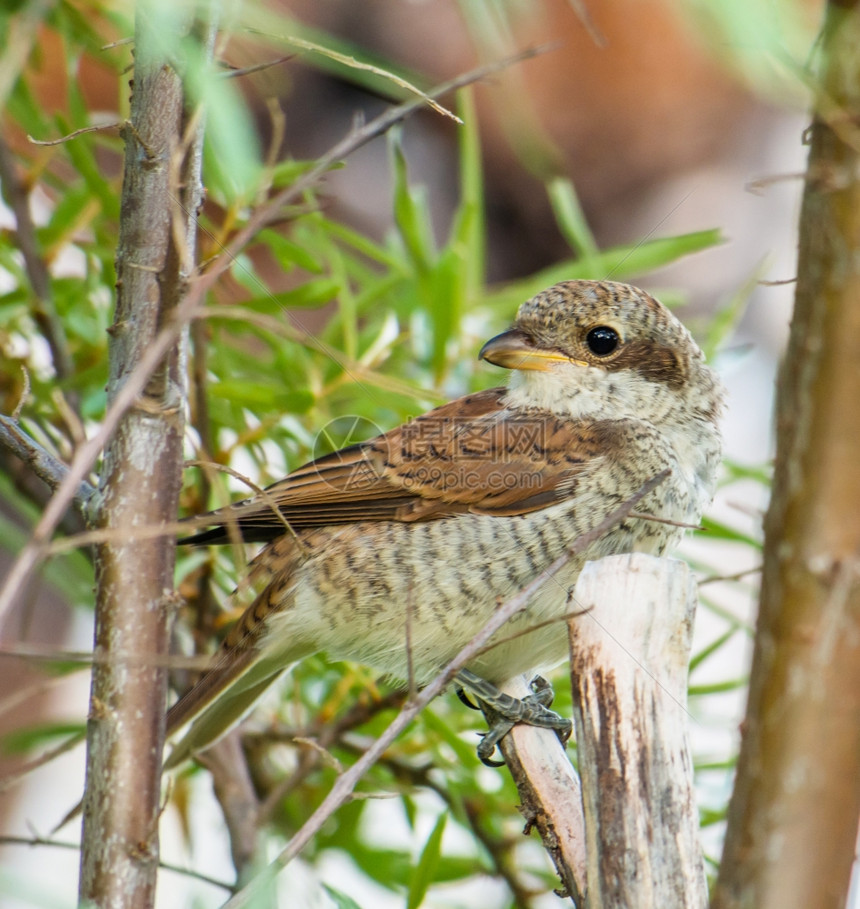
532, 710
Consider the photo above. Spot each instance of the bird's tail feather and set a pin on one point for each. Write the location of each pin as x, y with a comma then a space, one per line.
221, 698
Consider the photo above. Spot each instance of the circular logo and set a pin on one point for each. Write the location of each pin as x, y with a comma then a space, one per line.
339, 434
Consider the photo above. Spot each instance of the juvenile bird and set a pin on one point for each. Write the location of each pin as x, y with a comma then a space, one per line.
396, 551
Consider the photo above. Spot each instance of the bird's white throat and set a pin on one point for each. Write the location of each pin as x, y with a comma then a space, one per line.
589, 393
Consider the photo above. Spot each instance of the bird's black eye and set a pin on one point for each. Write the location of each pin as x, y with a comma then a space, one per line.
602, 340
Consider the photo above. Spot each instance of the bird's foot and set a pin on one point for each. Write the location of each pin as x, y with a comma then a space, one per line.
506, 711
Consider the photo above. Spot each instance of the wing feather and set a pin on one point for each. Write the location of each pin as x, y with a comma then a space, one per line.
471, 455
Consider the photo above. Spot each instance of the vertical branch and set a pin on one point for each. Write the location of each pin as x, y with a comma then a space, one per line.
793, 815
139, 486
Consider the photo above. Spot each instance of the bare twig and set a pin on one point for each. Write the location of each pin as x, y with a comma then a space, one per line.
166, 866
777, 283
235, 793
582, 13
234, 73
25, 394
78, 132
324, 735
40, 460
499, 848
12, 779
49, 654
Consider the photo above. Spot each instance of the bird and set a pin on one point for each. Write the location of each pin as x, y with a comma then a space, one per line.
394, 552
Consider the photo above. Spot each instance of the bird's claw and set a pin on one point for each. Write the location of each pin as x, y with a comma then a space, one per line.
465, 699
488, 743
506, 711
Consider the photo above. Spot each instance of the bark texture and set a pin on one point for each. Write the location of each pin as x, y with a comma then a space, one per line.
629, 655
550, 796
139, 486
794, 811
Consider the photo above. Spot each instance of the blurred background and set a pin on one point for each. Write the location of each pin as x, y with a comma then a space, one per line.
678, 121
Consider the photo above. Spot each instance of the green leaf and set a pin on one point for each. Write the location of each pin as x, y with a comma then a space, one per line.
411, 212
361, 244
724, 322
423, 873
466, 754
616, 264
341, 900
29, 738
721, 531
571, 218
713, 647
281, 28
263, 395
232, 155
760, 473
718, 687
708, 816
468, 235
288, 253
306, 296
285, 173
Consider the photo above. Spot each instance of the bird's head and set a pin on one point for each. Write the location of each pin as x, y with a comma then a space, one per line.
600, 348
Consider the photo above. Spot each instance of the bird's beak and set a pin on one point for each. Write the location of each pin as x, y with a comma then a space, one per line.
514, 349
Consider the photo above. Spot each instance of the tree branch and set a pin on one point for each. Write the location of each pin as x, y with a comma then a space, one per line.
140, 485
628, 668
793, 815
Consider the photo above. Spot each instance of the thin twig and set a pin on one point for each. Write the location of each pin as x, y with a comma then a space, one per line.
235, 73
25, 394
737, 576
777, 282
324, 736
78, 132
234, 790
12, 779
165, 866
581, 10
48, 653
48, 468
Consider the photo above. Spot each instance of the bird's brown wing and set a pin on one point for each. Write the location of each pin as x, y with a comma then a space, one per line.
471, 455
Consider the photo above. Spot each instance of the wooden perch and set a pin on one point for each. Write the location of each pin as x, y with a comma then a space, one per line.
550, 798
636, 842
629, 656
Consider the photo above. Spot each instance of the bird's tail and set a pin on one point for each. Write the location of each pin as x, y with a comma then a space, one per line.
221, 698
